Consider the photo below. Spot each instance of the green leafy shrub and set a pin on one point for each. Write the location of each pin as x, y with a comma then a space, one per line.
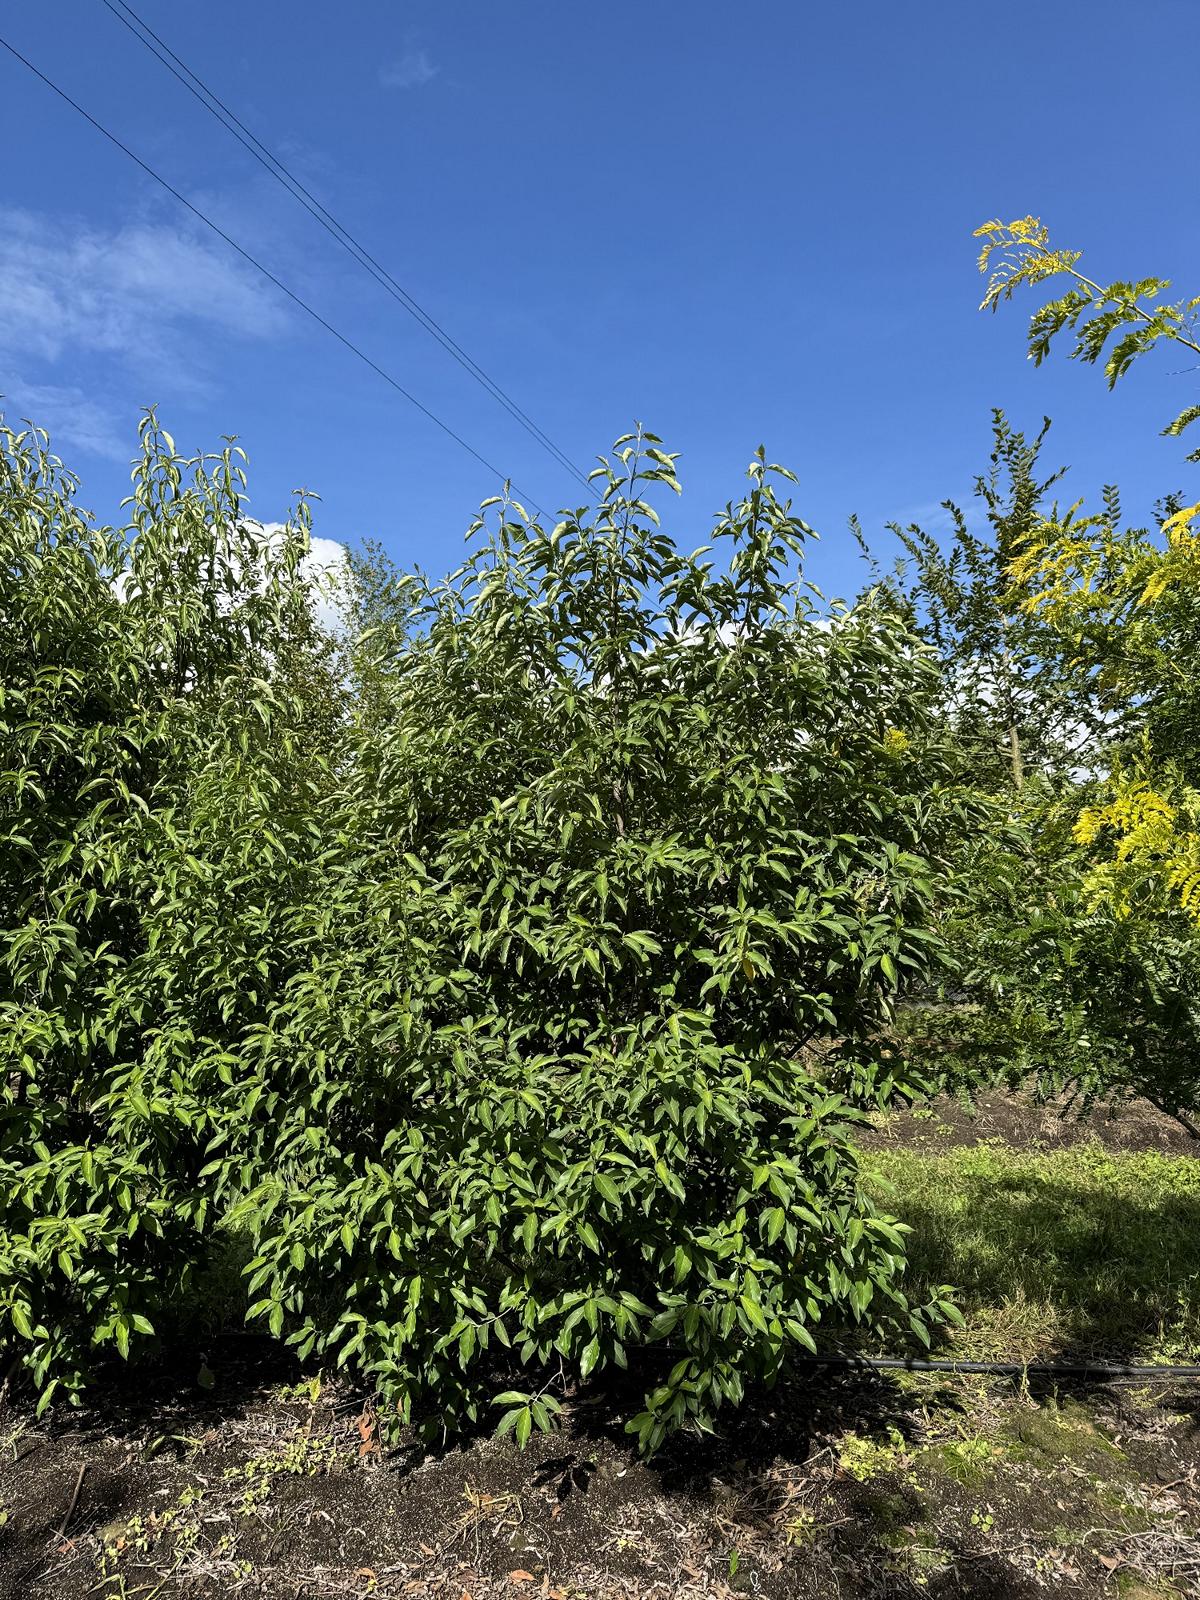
518, 978
133, 667
641, 833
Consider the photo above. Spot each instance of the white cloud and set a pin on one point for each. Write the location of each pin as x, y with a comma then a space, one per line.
413, 70
71, 288
327, 568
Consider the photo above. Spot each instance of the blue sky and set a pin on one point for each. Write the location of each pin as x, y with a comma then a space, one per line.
738, 224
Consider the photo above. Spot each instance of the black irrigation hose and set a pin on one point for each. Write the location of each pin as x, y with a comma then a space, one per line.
1002, 1369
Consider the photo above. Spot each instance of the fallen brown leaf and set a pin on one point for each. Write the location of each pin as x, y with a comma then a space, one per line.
367, 1434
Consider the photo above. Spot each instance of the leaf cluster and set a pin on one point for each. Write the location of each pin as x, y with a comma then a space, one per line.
1114, 323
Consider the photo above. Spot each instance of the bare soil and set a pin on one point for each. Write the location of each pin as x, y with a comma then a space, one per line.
1025, 1124
275, 1484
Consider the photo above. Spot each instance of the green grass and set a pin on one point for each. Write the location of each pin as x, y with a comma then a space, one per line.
1081, 1250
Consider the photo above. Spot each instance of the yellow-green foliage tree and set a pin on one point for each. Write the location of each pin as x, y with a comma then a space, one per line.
1116, 323
1126, 606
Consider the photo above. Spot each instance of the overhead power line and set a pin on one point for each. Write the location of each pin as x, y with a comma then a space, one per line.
266, 158
265, 271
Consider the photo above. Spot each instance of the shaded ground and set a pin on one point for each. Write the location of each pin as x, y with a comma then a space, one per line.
273, 1483
1058, 1249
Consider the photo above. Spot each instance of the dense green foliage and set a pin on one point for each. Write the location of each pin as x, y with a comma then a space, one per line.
514, 966
135, 714
515, 972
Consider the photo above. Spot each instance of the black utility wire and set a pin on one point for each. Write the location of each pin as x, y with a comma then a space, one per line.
267, 159
258, 266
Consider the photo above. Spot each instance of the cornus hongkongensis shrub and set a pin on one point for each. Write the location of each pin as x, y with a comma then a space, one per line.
517, 976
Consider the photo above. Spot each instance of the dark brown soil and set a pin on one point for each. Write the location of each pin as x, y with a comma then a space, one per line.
848, 1487
1018, 1120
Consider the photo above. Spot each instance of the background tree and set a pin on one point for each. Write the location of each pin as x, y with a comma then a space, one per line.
1010, 700
1099, 976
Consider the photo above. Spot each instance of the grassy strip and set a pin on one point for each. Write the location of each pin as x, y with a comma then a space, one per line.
1083, 1250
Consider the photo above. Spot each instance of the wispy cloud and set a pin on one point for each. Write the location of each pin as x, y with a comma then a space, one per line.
73, 419
135, 290
413, 70
88, 310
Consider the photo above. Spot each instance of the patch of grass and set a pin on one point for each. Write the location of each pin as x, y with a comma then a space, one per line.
1080, 1248
307, 1389
968, 1461
1125, 1505
301, 1455
11, 1436
802, 1529
174, 1537
137, 1540
915, 1558
865, 1458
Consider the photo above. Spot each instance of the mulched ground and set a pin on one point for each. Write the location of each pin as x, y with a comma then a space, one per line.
274, 1484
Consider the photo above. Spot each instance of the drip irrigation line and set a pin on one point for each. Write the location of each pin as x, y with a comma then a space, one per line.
265, 271
278, 169
1002, 1369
